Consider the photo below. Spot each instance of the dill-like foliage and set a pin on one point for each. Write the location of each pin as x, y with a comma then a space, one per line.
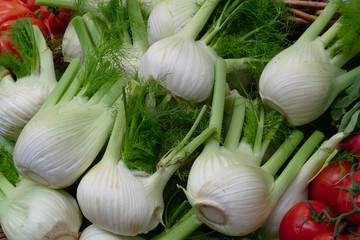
7, 166
116, 19
159, 127
257, 30
23, 39
99, 68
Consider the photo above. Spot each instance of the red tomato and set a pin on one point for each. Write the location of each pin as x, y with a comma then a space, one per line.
58, 19
43, 28
324, 188
344, 201
31, 5
295, 224
10, 11
44, 12
328, 236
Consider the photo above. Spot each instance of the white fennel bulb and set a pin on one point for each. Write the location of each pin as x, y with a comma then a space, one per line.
298, 190
64, 137
117, 194
237, 198
182, 65
303, 80
300, 82
228, 188
92, 232
71, 47
33, 212
21, 99
168, 17
61, 142
113, 198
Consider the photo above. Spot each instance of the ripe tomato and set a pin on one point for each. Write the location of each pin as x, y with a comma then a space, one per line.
57, 19
295, 224
44, 12
10, 11
344, 201
43, 28
31, 5
324, 188
328, 236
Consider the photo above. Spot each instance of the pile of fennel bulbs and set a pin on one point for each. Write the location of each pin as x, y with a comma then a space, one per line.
95, 141
29, 211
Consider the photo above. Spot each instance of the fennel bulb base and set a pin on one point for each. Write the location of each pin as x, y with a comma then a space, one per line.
211, 211
35, 177
273, 105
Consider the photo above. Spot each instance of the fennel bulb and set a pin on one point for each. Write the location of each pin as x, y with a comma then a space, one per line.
115, 199
71, 47
235, 196
92, 232
169, 16
181, 64
303, 80
298, 189
62, 141
227, 187
20, 99
124, 200
33, 212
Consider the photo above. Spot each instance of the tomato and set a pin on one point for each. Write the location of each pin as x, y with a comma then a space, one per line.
57, 19
10, 11
344, 201
44, 12
296, 224
328, 236
324, 188
31, 5
43, 28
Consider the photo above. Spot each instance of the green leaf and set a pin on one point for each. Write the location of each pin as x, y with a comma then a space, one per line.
350, 120
350, 29
7, 166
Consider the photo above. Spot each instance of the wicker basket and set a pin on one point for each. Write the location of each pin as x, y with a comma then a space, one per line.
305, 11
2, 235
